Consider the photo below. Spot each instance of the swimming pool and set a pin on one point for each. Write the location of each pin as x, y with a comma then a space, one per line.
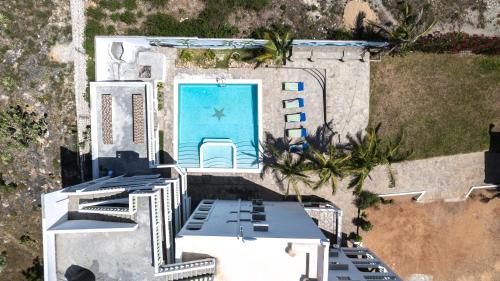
218, 125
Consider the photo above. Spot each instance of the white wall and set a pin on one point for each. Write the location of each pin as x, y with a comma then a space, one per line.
256, 259
54, 209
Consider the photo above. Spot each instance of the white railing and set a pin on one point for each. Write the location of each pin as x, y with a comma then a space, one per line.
186, 209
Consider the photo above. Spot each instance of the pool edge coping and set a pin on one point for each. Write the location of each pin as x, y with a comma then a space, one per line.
175, 142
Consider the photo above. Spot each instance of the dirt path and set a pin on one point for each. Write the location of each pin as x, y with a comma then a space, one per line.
80, 69
448, 241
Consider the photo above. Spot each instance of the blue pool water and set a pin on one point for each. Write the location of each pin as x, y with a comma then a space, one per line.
211, 112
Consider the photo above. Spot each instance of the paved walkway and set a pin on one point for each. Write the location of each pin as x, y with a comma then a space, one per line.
443, 178
80, 71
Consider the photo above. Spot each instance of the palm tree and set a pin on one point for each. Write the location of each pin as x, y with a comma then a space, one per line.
287, 167
278, 47
407, 31
329, 166
368, 151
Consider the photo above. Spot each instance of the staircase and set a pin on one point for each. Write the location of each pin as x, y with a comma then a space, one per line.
246, 156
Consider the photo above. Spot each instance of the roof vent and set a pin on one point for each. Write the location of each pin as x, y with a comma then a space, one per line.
264, 227
257, 209
194, 226
208, 202
205, 208
338, 266
200, 216
259, 217
257, 202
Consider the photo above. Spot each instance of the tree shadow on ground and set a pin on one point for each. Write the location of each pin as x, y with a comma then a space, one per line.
35, 272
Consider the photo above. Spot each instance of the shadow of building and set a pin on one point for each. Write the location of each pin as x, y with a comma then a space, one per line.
492, 157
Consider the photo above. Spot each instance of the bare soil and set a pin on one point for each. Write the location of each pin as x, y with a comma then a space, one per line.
446, 241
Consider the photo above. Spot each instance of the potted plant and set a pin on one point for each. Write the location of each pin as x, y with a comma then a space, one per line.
357, 241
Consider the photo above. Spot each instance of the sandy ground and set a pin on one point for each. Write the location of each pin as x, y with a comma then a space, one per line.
352, 10
446, 241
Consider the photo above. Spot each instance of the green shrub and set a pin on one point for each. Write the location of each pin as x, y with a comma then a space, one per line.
95, 13
115, 17
209, 54
339, 34
9, 83
19, 128
6, 187
130, 4
186, 55
158, 2
111, 5
110, 29
4, 19
3, 260
92, 28
161, 24
256, 5
128, 17
356, 237
26, 239
366, 199
35, 272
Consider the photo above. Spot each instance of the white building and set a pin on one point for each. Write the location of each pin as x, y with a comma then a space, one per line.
255, 240
119, 228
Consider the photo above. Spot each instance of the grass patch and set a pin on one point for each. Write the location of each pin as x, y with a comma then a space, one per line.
443, 102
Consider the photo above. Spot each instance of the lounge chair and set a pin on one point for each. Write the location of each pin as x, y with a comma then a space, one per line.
295, 117
296, 133
293, 103
293, 86
298, 147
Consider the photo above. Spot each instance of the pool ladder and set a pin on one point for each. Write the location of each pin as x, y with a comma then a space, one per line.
220, 81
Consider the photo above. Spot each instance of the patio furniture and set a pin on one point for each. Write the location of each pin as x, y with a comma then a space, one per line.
293, 103
295, 117
298, 147
296, 133
293, 86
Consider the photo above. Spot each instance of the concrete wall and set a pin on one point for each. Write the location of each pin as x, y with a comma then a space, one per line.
257, 259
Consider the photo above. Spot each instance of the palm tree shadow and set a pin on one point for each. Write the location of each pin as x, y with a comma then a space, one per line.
322, 137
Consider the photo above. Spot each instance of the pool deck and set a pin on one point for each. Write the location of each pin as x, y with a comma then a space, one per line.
343, 85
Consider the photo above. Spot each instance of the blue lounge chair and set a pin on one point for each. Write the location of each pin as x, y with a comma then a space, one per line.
295, 148
296, 133
295, 117
293, 103
293, 86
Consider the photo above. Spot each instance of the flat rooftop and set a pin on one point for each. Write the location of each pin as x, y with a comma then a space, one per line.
110, 255
284, 219
119, 142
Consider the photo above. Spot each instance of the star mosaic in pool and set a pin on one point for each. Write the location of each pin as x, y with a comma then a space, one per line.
218, 113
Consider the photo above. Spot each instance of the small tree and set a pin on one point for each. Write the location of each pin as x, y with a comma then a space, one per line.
363, 201
368, 151
278, 47
329, 166
409, 28
290, 168
366, 199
